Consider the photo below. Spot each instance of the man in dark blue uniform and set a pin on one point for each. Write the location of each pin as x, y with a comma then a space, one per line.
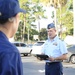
10, 60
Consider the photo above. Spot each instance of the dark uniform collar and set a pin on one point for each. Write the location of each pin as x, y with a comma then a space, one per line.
3, 36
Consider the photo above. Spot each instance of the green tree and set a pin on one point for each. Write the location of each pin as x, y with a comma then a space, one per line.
66, 19
34, 10
43, 34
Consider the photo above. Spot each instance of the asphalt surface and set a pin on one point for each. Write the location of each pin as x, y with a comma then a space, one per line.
32, 66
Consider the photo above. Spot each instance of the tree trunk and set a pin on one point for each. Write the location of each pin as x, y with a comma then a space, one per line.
74, 17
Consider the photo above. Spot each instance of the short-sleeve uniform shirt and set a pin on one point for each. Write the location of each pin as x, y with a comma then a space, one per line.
54, 48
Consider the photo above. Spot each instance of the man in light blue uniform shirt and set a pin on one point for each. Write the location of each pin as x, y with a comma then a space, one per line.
56, 50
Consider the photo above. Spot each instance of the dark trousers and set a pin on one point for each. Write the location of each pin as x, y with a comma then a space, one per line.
54, 68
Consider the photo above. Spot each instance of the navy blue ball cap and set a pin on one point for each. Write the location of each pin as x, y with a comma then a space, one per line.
51, 25
9, 8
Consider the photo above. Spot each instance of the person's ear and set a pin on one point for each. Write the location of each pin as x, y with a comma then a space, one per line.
11, 19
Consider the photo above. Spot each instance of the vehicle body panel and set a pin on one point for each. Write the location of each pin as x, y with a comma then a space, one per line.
36, 49
22, 47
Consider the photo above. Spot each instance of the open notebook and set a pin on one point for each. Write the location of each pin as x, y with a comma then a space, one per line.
45, 57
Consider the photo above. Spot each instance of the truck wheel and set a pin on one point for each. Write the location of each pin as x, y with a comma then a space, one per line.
25, 54
72, 59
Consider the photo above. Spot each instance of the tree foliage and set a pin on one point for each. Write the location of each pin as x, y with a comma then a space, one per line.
55, 3
34, 11
66, 18
43, 34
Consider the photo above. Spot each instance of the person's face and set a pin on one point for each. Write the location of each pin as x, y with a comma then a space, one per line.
51, 33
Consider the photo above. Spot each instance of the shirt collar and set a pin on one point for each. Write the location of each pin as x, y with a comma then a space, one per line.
55, 38
3, 35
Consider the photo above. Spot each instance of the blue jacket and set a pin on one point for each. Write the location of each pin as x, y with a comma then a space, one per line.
10, 60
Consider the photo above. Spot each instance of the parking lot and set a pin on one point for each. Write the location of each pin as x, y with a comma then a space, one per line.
32, 66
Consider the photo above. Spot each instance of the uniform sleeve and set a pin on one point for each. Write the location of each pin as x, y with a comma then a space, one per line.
11, 64
63, 47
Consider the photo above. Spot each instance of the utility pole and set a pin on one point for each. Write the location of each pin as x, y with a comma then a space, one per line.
24, 26
39, 30
28, 35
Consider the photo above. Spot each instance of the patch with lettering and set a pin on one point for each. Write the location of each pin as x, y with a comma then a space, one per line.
55, 44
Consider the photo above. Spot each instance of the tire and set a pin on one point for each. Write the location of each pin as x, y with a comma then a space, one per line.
72, 59
25, 54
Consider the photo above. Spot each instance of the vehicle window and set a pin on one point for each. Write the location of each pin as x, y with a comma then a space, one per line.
23, 45
38, 43
16, 44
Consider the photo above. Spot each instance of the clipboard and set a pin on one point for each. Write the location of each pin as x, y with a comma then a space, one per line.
42, 56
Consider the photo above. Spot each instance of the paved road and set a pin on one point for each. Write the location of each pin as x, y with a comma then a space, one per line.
32, 66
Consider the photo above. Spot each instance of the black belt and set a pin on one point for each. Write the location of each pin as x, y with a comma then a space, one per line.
49, 63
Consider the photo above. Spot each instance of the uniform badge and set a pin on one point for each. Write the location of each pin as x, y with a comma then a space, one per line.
55, 44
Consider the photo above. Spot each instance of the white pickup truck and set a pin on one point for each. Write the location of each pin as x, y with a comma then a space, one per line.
36, 49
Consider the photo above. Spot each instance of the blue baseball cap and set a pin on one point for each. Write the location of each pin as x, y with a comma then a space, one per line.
51, 25
9, 8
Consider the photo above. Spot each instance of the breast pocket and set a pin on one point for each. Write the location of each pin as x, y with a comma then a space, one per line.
55, 48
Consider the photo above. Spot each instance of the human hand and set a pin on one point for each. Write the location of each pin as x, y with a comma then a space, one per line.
51, 58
